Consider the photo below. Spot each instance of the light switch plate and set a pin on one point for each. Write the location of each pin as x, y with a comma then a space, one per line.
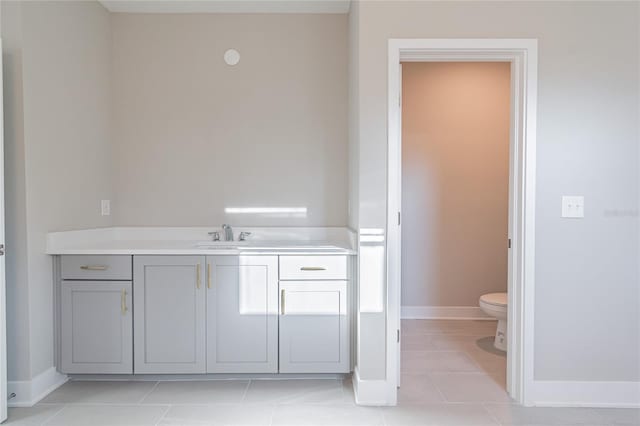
573, 206
105, 207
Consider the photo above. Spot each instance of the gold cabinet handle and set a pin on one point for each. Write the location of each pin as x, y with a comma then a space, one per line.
94, 267
208, 275
313, 268
198, 276
282, 302
123, 302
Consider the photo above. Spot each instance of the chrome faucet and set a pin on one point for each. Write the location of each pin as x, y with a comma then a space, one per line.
228, 232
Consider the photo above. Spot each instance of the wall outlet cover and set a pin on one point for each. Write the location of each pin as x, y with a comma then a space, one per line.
105, 207
573, 206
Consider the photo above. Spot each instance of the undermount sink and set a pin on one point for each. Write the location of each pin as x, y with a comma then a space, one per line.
261, 245
222, 244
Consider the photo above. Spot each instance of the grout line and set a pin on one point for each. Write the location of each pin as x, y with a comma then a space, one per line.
148, 393
450, 372
246, 390
273, 413
498, 422
384, 414
473, 361
48, 419
435, 350
111, 404
163, 415
433, 383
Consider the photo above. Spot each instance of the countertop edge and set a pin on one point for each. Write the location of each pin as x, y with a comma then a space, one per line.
203, 252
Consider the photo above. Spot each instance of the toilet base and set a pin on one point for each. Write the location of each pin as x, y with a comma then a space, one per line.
500, 342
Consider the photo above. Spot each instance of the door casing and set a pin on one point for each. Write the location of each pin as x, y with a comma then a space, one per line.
523, 56
3, 320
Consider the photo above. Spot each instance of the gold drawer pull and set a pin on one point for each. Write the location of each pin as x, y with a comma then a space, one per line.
94, 267
208, 275
123, 302
313, 268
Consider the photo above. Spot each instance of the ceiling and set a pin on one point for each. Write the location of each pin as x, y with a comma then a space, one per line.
227, 6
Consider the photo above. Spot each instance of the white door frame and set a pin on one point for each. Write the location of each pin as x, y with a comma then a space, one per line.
523, 56
3, 311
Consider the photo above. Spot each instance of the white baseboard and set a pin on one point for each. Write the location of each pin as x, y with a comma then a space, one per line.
372, 392
583, 394
443, 312
30, 392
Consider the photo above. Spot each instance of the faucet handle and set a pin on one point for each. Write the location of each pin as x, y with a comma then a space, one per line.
243, 236
215, 235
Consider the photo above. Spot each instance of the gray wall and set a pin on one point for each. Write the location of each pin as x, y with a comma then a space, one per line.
192, 131
15, 194
57, 137
455, 181
587, 301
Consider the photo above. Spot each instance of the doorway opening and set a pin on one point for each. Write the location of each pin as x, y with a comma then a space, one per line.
520, 57
454, 236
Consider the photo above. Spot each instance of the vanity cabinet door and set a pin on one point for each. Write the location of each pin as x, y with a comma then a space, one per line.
169, 315
242, 314
96, 327
314, 330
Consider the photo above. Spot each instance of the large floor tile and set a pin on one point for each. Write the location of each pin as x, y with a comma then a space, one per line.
108, 415
107, 392
620, 416
418, 389
508, 414
326, 415
198, 392
219, 414
295, 391
416, 362
457, 342
412, 327
418, 342
453, 327
486, 359
424, 399
438, 414
32, 416
470, 387
499, 376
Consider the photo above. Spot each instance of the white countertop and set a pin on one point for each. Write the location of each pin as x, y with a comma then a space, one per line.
188, 241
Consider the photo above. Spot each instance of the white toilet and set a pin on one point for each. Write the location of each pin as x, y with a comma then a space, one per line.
495, 305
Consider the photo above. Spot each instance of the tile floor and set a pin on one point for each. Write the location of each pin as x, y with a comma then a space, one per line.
451, 375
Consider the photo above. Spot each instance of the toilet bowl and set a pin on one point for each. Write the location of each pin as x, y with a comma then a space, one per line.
495, 305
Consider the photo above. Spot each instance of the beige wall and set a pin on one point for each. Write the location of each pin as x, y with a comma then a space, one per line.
354, 114
194, 135
58, 138
141, 109
455, 181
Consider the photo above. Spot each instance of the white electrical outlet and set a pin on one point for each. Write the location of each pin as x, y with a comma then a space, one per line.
573, 206
105, 207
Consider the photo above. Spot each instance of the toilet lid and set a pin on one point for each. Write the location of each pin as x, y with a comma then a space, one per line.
497, 299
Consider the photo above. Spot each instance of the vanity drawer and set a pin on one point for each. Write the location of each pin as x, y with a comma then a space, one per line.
313, 267
99, 267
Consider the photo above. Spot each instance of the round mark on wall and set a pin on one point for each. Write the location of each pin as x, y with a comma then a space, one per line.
232, 57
